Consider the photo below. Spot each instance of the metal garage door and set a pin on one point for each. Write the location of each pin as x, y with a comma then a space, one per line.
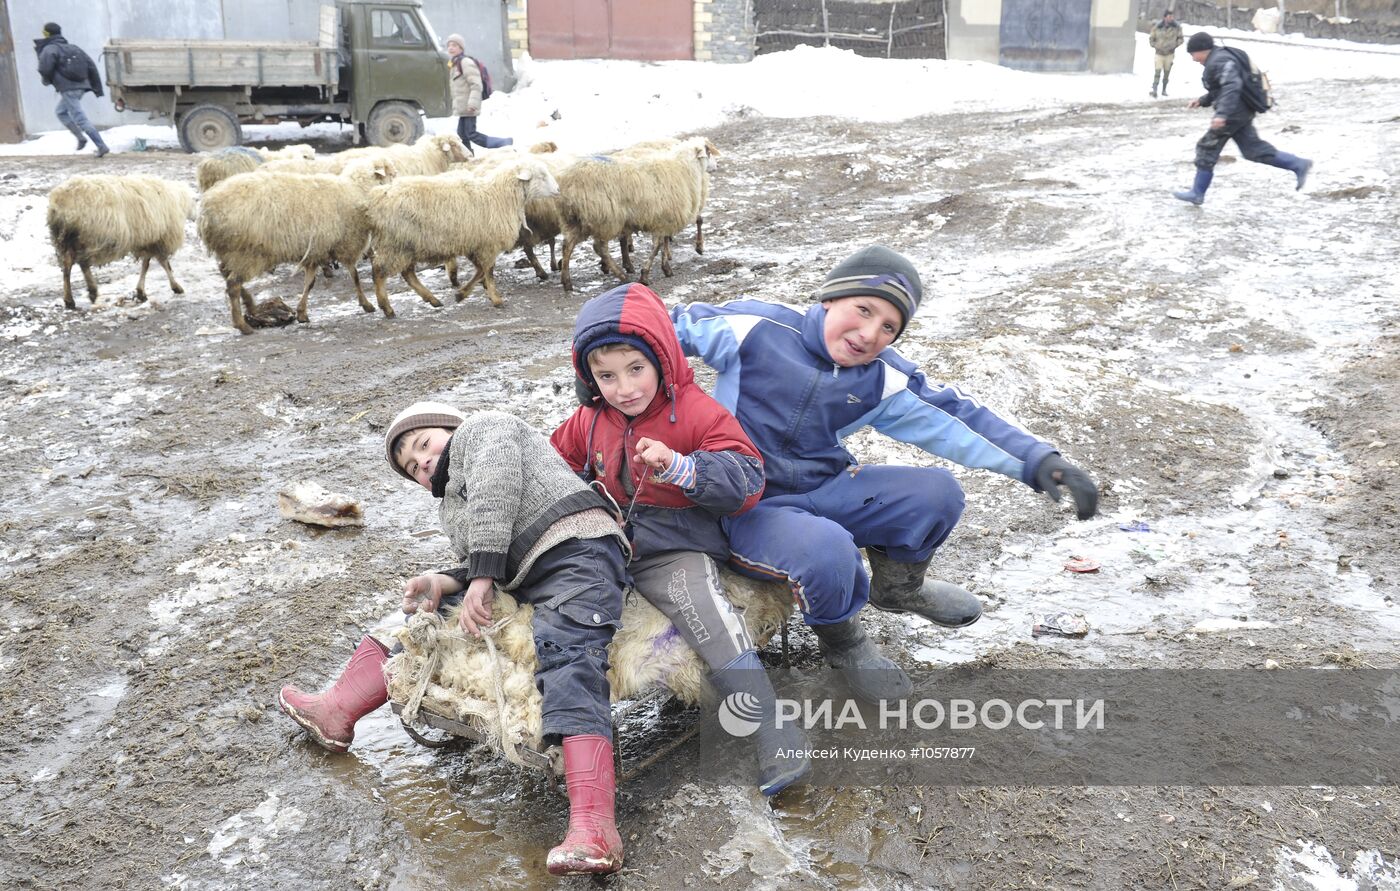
611, 29
1045, 35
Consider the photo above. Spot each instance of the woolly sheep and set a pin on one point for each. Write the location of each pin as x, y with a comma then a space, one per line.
606, 197
425, 157
94, 220
434, 219
219, 166
543, 217
665, 145
254, 221
459, 676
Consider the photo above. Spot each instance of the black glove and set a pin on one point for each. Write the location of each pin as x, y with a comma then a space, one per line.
1055, 471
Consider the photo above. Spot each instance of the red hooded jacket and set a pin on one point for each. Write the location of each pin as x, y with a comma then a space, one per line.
599, 442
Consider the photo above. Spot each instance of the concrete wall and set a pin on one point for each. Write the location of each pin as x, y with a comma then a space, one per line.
974, 33
90, 23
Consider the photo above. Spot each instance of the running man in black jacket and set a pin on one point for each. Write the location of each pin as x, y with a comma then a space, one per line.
72, 73
1224, 83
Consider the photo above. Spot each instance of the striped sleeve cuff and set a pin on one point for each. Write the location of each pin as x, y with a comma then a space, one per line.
485, 564
681, 473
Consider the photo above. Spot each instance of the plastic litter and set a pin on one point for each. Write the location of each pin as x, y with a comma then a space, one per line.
1081, 564
1135, 526
1059, 625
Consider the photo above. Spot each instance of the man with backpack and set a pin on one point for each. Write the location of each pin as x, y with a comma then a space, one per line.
470, 84
72, 73
1238, 92
1165, 37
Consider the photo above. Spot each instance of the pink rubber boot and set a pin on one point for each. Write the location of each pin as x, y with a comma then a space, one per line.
592, 845
330, 716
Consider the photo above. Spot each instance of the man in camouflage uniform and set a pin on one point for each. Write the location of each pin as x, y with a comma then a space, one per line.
1165, 37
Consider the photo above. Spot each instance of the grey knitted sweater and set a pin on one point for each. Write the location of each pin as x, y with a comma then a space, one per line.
510, 497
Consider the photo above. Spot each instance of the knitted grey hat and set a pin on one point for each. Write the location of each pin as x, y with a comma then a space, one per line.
1200, 41
416, 416
876, 271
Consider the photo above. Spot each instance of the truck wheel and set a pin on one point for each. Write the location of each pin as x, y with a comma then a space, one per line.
208, 128
394, 122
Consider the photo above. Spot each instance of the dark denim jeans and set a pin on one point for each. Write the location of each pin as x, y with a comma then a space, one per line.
466, 129
70, 114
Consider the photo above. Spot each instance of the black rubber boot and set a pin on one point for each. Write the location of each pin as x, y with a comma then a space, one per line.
744, 686
901, 588
871, 675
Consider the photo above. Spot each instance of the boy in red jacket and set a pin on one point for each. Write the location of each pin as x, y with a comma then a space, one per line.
675, 462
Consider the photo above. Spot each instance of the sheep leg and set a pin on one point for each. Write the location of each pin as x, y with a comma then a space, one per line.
235, 305
480, 276
91, 281
534, 261
624, 245
170, 275
565, 278
359, 289
699, 234
141, 280
601, 248
410, 276
656, 245
666, 257
489, 281
248, 305
452, 273
380, 295
553, 261
66, 262
310, 274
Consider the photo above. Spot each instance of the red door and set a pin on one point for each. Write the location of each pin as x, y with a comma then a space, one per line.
611, 29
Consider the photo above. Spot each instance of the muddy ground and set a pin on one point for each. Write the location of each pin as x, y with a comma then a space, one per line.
1227, 373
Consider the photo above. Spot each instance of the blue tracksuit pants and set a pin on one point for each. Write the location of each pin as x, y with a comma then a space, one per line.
812, 541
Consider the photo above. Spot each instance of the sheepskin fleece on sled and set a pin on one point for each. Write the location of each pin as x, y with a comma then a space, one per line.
646, 653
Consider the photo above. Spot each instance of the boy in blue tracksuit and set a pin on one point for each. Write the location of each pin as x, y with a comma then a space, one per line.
799, 383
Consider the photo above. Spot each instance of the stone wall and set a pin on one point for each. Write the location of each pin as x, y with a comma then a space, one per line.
1377, 27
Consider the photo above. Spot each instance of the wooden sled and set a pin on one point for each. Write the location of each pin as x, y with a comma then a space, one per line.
657, 681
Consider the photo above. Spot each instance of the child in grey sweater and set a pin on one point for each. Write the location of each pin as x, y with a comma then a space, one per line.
520, 520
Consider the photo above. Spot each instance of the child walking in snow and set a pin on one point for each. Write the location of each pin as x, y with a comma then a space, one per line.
799, 383
519, 519
675, 462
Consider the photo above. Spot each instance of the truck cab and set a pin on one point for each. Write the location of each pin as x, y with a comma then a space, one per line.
397, 71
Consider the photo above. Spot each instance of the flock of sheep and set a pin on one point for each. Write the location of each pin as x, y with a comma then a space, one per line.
400, 207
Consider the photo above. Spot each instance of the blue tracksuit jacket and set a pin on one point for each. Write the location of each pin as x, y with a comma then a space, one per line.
777, 378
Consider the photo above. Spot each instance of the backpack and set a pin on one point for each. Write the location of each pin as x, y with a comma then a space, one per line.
72, 63
1256, 93
485, 80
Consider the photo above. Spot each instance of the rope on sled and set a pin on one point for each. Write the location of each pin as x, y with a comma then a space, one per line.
427, 634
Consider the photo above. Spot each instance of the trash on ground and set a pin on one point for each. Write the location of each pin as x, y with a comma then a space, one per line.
1135, 526
1081, 564
1059, 625
309, 502
270, 313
